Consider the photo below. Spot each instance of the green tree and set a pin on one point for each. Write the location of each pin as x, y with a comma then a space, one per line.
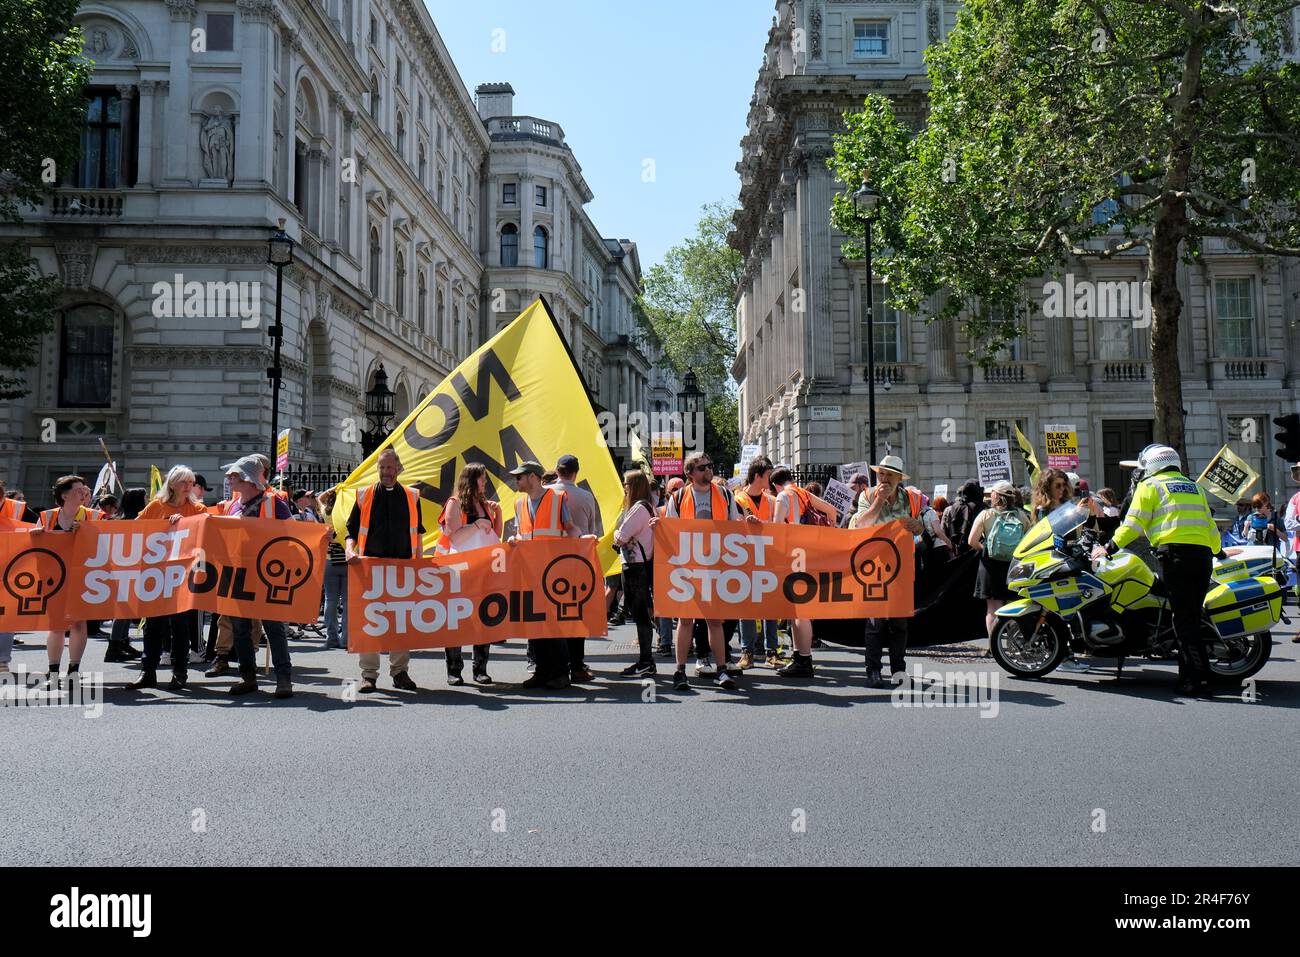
43, 107
1069, 131
688, 304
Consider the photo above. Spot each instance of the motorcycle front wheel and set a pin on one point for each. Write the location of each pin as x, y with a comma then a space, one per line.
1030, 646
1236, 659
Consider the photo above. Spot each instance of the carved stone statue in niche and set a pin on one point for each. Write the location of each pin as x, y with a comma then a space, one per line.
98, 43
217, 144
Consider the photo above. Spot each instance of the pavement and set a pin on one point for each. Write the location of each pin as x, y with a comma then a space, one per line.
1070, 770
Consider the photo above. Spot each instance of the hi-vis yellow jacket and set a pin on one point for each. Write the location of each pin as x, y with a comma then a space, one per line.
1169, 508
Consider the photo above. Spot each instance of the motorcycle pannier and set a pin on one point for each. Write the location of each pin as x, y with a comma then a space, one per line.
1244, 606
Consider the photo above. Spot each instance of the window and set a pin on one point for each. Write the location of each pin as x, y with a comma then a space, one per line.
345, 219
509, 245
101, 142
442, 316
422, 303
86, 357
1251, 426
508, 194
456, 347
540, 195
401, 135
870, 38
419, 109
374, 97
399, 293
300, 178
441, 190
469, 225
397, 72
541, 248
374, 31
455, 212
887, 326
423, 165
221, 32
374, 261
439, 135
1234, 317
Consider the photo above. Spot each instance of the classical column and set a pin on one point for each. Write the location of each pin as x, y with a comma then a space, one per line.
941, 346
290, 41
525, 219
815, 192
315, 188
144, 155
180, 129
125, 91
254, 143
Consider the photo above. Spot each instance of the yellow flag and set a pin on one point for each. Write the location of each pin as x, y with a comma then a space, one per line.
639, 456
155, 481
1027, 451
1228, 476
518, 397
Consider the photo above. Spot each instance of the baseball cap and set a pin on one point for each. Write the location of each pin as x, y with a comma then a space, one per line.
567, 463
859, 478
249, 468
529, 467
201, 482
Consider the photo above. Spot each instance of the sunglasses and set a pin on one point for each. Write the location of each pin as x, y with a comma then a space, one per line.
703, 466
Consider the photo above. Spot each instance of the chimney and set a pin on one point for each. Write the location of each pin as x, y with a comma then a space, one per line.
494, 99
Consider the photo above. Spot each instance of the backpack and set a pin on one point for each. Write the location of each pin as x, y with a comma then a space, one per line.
808, 513
1003, 535
957, 521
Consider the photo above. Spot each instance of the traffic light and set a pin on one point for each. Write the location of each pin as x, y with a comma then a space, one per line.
1288, 439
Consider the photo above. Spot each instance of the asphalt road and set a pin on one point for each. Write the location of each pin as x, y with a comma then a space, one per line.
778, 772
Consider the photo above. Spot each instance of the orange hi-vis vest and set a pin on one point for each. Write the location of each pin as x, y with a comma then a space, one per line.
763, 510
802, 500
222, 507
686, 503
443, 545
12, 508
51, 515
366, 499
549, 520
266, 509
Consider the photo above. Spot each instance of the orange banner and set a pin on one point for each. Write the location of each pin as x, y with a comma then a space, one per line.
725, 570
546, 588
247, 568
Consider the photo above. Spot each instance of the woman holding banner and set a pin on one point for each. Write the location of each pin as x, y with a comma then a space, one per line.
176, 499
634, 539
470, 521
70, 495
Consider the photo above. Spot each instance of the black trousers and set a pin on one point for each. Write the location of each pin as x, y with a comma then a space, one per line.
636, 597
551, 656
577, 653
895, 631
175, 632
456, 659
1185, 572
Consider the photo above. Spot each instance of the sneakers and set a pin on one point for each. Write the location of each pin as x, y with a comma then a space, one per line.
166, 660
746, 661
482, 677
1074, 666
801, 667
774, 660
664, 651
196, 658
454, 679
403, 681
679, 680
367, 686
725, 681
704, 667
639, 670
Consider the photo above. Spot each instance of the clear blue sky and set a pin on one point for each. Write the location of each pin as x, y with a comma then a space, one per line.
668, 81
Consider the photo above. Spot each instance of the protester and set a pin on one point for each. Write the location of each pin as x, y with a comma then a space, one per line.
1109, 502
996, 533
959, 517
543, 511
859, 483
586, 516
336, 579
634, 538
469, 521
796, 506
933, 547
1261, 529
304, 500
1051, 491
1241, 524
385, 522
176, 499
248, 481
109, 507
702, 500
755, 498
15, 508
665, 626
889, 501
940, 505
201, 487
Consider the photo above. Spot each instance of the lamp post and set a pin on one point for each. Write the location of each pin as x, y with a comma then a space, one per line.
279, 255
379, 410
689, 402
867, 199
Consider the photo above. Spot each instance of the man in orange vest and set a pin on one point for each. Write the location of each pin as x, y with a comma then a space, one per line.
756, 499
888, 501
385, 523
792, 504
247, 480
543, 512
702, 499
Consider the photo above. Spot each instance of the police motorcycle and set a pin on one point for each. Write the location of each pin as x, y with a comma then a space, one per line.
1117, 607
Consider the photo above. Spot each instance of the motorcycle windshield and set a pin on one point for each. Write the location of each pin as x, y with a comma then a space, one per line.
1056, 525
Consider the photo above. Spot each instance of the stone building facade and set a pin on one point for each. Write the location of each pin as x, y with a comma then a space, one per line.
208, 123
802, 367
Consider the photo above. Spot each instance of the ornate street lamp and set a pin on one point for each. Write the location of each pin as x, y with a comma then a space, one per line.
379, 411
867, 200
279, 254
690, 402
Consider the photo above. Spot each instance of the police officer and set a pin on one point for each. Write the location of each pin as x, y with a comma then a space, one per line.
1170, 509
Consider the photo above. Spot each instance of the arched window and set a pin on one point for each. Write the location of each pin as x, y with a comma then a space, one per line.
510, 245
399, 294
374, 261
86, 357
541, 248
422, 303
374, 96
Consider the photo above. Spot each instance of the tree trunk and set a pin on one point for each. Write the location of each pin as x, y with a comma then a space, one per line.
1166, 310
